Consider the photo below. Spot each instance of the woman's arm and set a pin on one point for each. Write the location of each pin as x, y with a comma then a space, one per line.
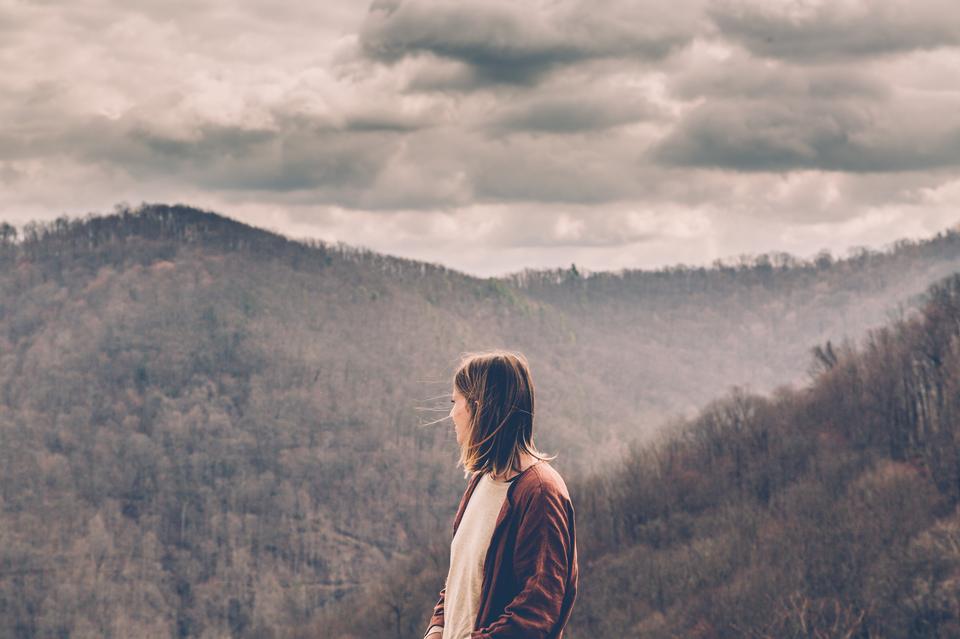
436, 620
544, 546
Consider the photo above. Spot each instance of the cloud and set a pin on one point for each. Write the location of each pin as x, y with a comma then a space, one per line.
575, 227
798, 134
512, 42
297, 153
749, 115
738, 75
546, 130
571, 113
831, 30
492, 38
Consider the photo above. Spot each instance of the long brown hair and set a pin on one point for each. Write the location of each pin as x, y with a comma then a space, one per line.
498, 388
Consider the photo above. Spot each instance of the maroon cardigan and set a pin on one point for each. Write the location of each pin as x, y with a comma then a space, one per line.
530, 572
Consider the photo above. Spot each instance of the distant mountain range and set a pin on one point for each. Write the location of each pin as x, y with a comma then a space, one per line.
210, 428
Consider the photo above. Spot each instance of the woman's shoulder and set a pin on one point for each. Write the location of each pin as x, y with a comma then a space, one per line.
541, 479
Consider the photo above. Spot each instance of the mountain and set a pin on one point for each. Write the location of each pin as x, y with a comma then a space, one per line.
211, 430
832, 510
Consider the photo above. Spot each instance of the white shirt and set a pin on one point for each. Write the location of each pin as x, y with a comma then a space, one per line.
467, 554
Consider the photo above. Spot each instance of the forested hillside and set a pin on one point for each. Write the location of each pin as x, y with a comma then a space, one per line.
210, 430
827, 511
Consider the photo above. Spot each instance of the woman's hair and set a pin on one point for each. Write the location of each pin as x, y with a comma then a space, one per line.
499, 392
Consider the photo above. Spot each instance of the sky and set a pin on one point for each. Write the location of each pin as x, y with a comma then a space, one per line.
491, 135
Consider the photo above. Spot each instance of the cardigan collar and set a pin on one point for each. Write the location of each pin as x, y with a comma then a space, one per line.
507, 503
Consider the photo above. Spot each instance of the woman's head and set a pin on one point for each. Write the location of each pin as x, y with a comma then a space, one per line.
493, 411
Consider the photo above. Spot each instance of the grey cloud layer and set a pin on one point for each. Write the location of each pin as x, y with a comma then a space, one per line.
568, 113
518, 43
827, 31
740, 76
771, 116
585, 116
295, 154
807, 135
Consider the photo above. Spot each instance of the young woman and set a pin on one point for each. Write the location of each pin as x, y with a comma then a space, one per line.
513, 559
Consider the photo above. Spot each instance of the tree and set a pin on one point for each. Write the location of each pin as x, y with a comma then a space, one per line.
8, 233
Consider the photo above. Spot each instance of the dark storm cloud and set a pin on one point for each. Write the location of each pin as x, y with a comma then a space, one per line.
518, 43
754, 115
297, 154
771, 136
498, 47
828, 31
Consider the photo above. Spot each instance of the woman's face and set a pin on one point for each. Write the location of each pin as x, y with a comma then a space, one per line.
460, 415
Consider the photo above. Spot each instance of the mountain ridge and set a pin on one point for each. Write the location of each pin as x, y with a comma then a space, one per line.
187, 223
192, 423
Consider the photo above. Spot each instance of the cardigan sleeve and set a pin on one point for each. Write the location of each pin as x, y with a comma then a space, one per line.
542, 564
437, 618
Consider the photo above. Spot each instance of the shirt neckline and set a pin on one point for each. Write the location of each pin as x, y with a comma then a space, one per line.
515, 477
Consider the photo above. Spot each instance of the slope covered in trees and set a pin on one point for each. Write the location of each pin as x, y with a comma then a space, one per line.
827, 511
207, 429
